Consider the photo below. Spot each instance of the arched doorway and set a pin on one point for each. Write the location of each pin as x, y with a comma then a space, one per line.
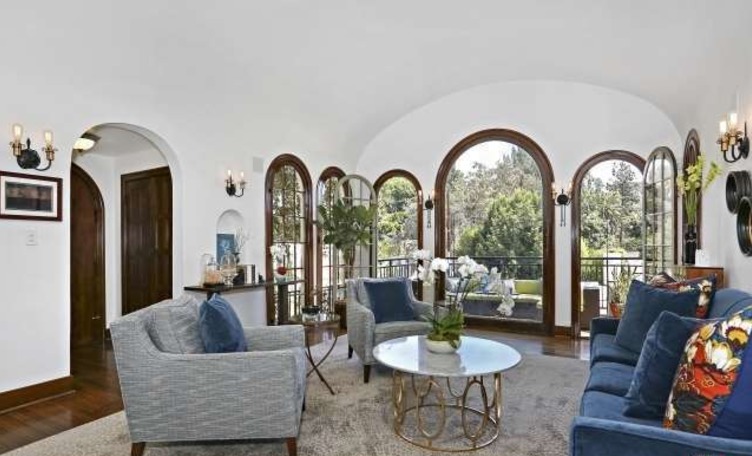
139, 178
400, 221
289, 228
598, 183
87, 243
504, 176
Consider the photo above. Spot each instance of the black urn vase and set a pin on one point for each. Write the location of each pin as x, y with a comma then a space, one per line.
690, 244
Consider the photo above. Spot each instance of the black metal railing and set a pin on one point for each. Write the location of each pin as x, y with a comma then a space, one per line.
600, 272
511, 267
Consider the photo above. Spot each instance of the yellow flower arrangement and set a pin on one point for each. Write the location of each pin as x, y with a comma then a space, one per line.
690, 182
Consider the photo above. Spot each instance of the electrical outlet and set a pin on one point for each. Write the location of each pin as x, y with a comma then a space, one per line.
31, 237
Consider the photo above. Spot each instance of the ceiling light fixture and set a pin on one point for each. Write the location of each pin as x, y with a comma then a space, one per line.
85, 142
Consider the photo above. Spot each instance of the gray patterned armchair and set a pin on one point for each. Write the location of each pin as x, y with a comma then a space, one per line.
362, 331
173, 391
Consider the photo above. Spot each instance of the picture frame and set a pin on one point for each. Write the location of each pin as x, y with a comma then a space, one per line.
30, 197
225, 244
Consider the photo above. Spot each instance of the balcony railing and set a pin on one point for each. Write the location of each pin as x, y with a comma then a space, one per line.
596, 272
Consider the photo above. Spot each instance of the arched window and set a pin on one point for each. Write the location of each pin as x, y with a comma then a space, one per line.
606, 229
326, 188
400, 222
660, 211
288, 232
493, 202
691, 153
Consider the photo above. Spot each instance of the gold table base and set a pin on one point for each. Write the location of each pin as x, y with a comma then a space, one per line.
429, 395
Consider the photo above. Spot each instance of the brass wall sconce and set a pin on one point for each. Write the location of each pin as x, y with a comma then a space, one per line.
734, 139
27, 157
428, 207
233, 188
562, 198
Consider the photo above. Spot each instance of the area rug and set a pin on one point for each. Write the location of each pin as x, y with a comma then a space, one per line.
541, 397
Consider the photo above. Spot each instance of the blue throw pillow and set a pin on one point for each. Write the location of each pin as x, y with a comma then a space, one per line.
644, 304
389, 300
654, 374
221, 331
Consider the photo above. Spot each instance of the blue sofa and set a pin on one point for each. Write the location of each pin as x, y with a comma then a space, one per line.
601, 429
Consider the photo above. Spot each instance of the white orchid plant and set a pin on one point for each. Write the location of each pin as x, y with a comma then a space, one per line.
278, 252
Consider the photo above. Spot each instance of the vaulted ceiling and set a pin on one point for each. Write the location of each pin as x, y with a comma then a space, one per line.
345, 69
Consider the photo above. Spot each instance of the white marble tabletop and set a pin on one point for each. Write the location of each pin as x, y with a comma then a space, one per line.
475, 356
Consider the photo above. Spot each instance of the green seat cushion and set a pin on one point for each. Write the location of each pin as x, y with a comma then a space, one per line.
528, 287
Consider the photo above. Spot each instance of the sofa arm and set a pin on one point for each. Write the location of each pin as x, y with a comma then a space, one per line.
422, 309
597, 437
603, 325
266, 338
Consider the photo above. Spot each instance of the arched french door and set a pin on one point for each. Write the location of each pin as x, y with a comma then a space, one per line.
326, 195
289, 230
660, 202
598, 183
493, 202
400, 221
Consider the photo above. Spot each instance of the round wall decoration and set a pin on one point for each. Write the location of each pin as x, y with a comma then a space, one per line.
738, 185
744, 225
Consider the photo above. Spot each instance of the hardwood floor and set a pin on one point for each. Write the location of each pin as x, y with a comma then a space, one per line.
98, 392
97, 395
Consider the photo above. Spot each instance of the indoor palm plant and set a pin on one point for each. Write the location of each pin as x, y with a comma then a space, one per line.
346, 227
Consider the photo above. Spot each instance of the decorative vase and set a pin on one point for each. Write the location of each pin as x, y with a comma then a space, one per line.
441, 346
690, 244
616, 309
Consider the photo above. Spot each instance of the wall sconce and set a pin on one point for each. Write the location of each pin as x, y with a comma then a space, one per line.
428, 205
27, 157
562, 198
730, 137
85, 142
231, 187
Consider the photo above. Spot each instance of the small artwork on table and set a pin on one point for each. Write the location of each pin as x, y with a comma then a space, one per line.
225, 245
29, 197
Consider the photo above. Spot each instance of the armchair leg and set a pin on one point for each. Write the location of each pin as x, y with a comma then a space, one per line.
366, 373
137, 449
349, 352
304, 404
292, 446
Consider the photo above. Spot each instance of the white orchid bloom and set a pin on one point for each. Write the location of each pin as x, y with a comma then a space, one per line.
464, 259
440, 265
422, 254
464, 271
480, 269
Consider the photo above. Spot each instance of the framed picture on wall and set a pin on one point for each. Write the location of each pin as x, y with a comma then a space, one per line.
30, 197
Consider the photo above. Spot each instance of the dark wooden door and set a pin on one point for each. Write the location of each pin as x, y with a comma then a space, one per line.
147, 238
87, 260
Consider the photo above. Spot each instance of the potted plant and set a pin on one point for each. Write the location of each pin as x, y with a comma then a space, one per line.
618, 289
347, 226
446, 330
690, 183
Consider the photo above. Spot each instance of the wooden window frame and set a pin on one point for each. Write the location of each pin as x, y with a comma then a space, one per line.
546, 327
278, 163
669, 155
691, 153
331, 172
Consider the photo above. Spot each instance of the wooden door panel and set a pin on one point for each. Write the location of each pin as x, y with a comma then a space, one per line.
87, 260
147, 238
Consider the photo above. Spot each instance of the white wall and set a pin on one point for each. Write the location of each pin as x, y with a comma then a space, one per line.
718, 224
105, 168
570, 122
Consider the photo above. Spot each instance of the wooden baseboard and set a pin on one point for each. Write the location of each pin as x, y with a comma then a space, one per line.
35, 393
563, 331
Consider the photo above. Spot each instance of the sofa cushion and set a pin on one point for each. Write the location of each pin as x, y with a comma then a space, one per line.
529, 287
706, 285
390, 300
174, 326
604, 349
613, 378
712, 392
644, 304
605, 406
654, 373
396, 329
221, 331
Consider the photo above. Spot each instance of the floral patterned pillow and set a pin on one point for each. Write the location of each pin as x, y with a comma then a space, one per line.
706, 285
708, 372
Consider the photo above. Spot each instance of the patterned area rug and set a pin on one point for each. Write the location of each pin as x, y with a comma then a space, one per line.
541, 396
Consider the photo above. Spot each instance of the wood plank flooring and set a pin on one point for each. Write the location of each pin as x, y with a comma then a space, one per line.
98, 392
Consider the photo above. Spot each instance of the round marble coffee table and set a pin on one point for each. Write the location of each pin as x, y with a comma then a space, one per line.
432, 394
